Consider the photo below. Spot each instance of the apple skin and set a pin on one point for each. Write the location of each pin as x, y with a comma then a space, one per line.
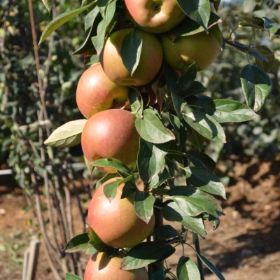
95, 92
149, 64
111, 134
155, 16
201, 48
115, 221
101, 266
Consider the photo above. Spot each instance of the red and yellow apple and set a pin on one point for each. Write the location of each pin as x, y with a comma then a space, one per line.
111, 134
115, 221
101, 266
201, 48
96, 92
155, 16
149, 64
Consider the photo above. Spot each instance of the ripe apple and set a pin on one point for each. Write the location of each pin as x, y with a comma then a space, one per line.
95, 92
115, 221
111, 134
201, 48
155, 16
149, 64
101, 266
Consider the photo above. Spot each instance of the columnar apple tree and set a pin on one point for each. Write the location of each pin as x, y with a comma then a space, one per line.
147, 120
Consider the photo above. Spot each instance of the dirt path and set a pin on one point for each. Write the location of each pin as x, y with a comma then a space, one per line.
246, 246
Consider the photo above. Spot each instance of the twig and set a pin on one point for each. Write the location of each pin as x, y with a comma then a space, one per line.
46, 247
197, 249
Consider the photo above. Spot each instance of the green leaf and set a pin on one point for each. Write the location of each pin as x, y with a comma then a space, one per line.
232, 111
131, 50
144, 205
103, 26
203, 124
152, 129
61, 20
47, 5
90, 18
80, 243
195, 202
145, 254
197, 10
256, 86
110, 189
150, 162
206, 180
270, 25
166, 232
185, 81
70, 276
111, 163
187, 269
210, 266
136, 102
97, 243
67, 135
171, 78
172, 212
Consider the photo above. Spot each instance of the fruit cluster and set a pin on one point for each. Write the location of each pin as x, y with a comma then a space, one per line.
102, 97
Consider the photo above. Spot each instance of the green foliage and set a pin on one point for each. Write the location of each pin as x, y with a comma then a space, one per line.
19, 97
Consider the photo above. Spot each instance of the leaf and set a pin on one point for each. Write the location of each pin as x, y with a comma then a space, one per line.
210, 266
99, 39
61, 20
185, 81
256, 86
145, 254
171, 78
110, 189
197, 10
111, 163
70, 276
80, 243
144, 206
172, 212
67, 135
270, 25
232, 111
206, 180
131, 50
195, 202
203, 124
136, 102
97, 243
187, 269
47, 5
152, 129
166, 232
90, 18
150, 161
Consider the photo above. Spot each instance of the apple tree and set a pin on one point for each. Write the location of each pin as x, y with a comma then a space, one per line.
148, 118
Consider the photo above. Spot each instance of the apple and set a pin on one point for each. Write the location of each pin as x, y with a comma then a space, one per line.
111, 134
155, 16
149, 64
95, 92
201, 48
102, 266
115, 221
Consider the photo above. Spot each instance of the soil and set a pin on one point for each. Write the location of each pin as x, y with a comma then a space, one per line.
246, 245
